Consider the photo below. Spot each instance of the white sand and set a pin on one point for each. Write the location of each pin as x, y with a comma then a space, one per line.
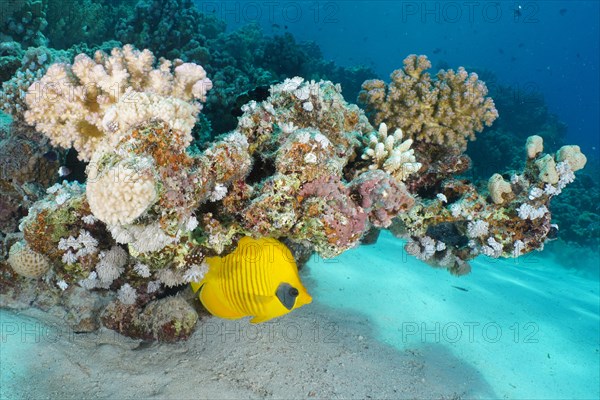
528, 326
354, 341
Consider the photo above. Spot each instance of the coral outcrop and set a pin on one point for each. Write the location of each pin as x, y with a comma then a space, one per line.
303, 166
513, 220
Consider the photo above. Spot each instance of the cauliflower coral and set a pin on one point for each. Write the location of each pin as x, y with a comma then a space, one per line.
79, 105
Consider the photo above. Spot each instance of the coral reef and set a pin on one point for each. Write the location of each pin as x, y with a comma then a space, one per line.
288, 171
294, 162
87, 21
170, 28
24, 20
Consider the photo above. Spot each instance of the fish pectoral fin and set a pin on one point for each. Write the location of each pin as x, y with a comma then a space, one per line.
215, 305
261, 299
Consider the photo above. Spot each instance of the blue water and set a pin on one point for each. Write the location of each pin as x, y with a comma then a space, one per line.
539, 48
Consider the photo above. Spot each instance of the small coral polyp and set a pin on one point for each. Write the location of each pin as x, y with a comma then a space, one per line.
303, 166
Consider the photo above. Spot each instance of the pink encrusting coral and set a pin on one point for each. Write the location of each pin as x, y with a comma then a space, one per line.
381, 196
328, 210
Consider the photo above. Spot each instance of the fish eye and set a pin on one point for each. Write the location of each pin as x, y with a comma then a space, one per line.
287, 295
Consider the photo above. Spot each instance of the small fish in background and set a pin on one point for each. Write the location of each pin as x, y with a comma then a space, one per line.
460, 288
275, 26
518, 11
521, 45
64, 171
258, 94
513, 59
562, 12
437, 50
501, 51
259, 279
51, 155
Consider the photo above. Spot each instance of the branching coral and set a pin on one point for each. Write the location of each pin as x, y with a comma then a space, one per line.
445, 111
70, 103
391, 153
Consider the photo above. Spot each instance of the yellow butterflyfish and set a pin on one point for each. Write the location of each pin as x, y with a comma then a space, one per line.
259, 279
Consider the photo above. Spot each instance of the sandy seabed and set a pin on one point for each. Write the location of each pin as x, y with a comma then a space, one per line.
381, 326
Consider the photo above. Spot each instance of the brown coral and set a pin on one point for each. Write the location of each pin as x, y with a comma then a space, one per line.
445, 111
